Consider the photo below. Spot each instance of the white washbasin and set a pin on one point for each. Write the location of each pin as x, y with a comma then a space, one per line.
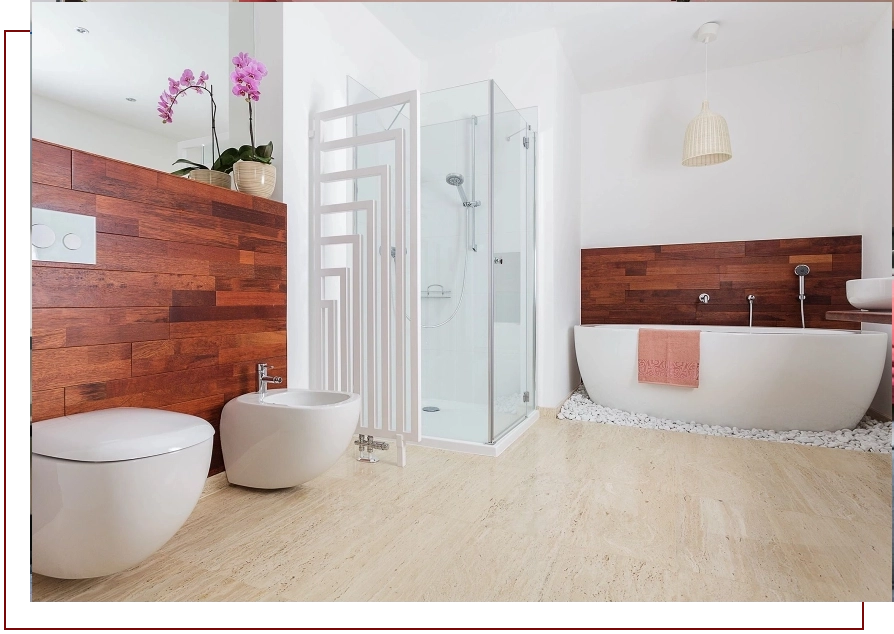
873, 293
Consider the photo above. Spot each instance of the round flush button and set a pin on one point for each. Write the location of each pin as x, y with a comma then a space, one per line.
42, 236
72, 241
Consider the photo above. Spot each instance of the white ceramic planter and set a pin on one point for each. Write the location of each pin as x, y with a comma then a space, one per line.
255, 179
211, 177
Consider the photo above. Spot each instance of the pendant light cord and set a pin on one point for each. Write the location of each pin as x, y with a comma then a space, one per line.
706, 70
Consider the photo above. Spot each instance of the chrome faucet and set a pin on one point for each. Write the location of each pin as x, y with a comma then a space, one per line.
263, 379
704, 298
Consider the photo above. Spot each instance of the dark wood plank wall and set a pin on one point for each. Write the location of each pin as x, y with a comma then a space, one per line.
660, 284
187, 295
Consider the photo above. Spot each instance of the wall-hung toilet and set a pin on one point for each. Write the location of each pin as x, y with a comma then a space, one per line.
109, 488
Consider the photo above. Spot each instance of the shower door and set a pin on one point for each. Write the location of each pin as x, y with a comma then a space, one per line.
512, 269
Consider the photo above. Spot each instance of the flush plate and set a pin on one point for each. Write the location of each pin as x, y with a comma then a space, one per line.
57, 236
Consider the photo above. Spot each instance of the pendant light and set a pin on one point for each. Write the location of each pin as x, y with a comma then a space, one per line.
707, 136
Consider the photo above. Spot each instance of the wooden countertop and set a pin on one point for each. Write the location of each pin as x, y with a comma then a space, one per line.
864, 316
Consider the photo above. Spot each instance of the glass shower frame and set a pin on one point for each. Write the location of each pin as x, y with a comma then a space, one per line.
487, 98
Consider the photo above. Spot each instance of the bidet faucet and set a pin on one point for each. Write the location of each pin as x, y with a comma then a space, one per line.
263, 379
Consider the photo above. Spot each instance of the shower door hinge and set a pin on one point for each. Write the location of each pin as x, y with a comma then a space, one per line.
526, 397
525, 142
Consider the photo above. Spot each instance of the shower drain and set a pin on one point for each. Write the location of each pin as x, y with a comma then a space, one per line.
431, 408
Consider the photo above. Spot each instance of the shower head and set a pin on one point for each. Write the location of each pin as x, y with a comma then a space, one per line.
457, 181
801, 270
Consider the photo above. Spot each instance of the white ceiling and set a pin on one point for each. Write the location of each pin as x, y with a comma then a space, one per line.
131, 50
614, 44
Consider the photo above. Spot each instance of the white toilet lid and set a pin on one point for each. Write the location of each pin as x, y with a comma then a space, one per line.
122, 433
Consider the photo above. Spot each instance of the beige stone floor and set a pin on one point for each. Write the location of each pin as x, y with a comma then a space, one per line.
572, 511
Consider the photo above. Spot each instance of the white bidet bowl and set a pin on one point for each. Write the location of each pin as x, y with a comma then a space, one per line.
290, 437
109, 488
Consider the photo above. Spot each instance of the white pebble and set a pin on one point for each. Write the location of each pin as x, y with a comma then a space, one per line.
869, 435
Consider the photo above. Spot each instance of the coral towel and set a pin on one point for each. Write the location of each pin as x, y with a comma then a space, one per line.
669, 356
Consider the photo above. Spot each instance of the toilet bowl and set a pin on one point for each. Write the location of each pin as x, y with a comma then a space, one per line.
109, 488
287, 437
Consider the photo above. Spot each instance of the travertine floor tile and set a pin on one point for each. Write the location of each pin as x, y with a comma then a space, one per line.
572, 512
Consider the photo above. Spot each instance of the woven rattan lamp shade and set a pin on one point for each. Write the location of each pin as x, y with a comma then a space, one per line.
707, 140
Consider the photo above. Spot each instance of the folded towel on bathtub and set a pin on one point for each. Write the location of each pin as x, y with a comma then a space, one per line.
670, 357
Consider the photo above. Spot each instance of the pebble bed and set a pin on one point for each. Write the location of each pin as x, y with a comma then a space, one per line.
869, 435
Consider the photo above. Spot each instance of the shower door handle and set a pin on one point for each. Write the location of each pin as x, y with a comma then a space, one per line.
498, 260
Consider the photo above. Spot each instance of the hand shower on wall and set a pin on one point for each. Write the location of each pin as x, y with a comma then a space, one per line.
457, 180
801, 271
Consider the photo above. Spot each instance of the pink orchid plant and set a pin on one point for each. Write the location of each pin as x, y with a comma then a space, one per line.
246, 79
167, 100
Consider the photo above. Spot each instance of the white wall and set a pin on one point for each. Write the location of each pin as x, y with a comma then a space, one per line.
322, 43
792, 173
57, 122
532, 71
874, 107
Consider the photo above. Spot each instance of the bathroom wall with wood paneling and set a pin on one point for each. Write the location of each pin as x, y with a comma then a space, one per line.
660, 284
187, 295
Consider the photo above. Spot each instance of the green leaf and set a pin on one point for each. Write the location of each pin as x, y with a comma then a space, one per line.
265, 151
225, 161
197, 165
184, 171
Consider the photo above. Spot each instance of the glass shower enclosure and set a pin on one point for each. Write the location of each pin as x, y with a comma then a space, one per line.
477, 258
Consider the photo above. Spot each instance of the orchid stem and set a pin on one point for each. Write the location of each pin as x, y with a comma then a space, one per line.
251, 126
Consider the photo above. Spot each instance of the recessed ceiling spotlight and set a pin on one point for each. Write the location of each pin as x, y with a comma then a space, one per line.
82, 30
130, 98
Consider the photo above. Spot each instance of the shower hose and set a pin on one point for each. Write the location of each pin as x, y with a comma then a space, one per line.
462, 291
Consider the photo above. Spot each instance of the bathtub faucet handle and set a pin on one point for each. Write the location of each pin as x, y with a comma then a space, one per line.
704, 298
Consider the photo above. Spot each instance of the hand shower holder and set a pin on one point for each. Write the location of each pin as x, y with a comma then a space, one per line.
440, 293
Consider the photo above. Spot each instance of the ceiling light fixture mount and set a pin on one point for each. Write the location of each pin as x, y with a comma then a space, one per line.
82, 30
707, 136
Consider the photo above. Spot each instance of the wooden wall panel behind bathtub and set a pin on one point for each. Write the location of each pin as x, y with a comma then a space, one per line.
187, 295
660, 284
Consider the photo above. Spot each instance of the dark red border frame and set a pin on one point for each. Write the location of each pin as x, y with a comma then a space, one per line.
858, 625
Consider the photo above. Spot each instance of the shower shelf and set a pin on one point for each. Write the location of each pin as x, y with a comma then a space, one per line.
438, 293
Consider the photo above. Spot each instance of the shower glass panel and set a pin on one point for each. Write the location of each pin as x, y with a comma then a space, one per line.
511, 140
477, 258
455, 238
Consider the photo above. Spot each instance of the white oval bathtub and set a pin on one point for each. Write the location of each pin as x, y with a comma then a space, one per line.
764, 378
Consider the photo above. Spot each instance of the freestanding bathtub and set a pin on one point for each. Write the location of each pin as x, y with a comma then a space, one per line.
763, 378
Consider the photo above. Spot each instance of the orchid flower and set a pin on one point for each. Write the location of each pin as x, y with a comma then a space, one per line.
176, 87
241, 60
246, 80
